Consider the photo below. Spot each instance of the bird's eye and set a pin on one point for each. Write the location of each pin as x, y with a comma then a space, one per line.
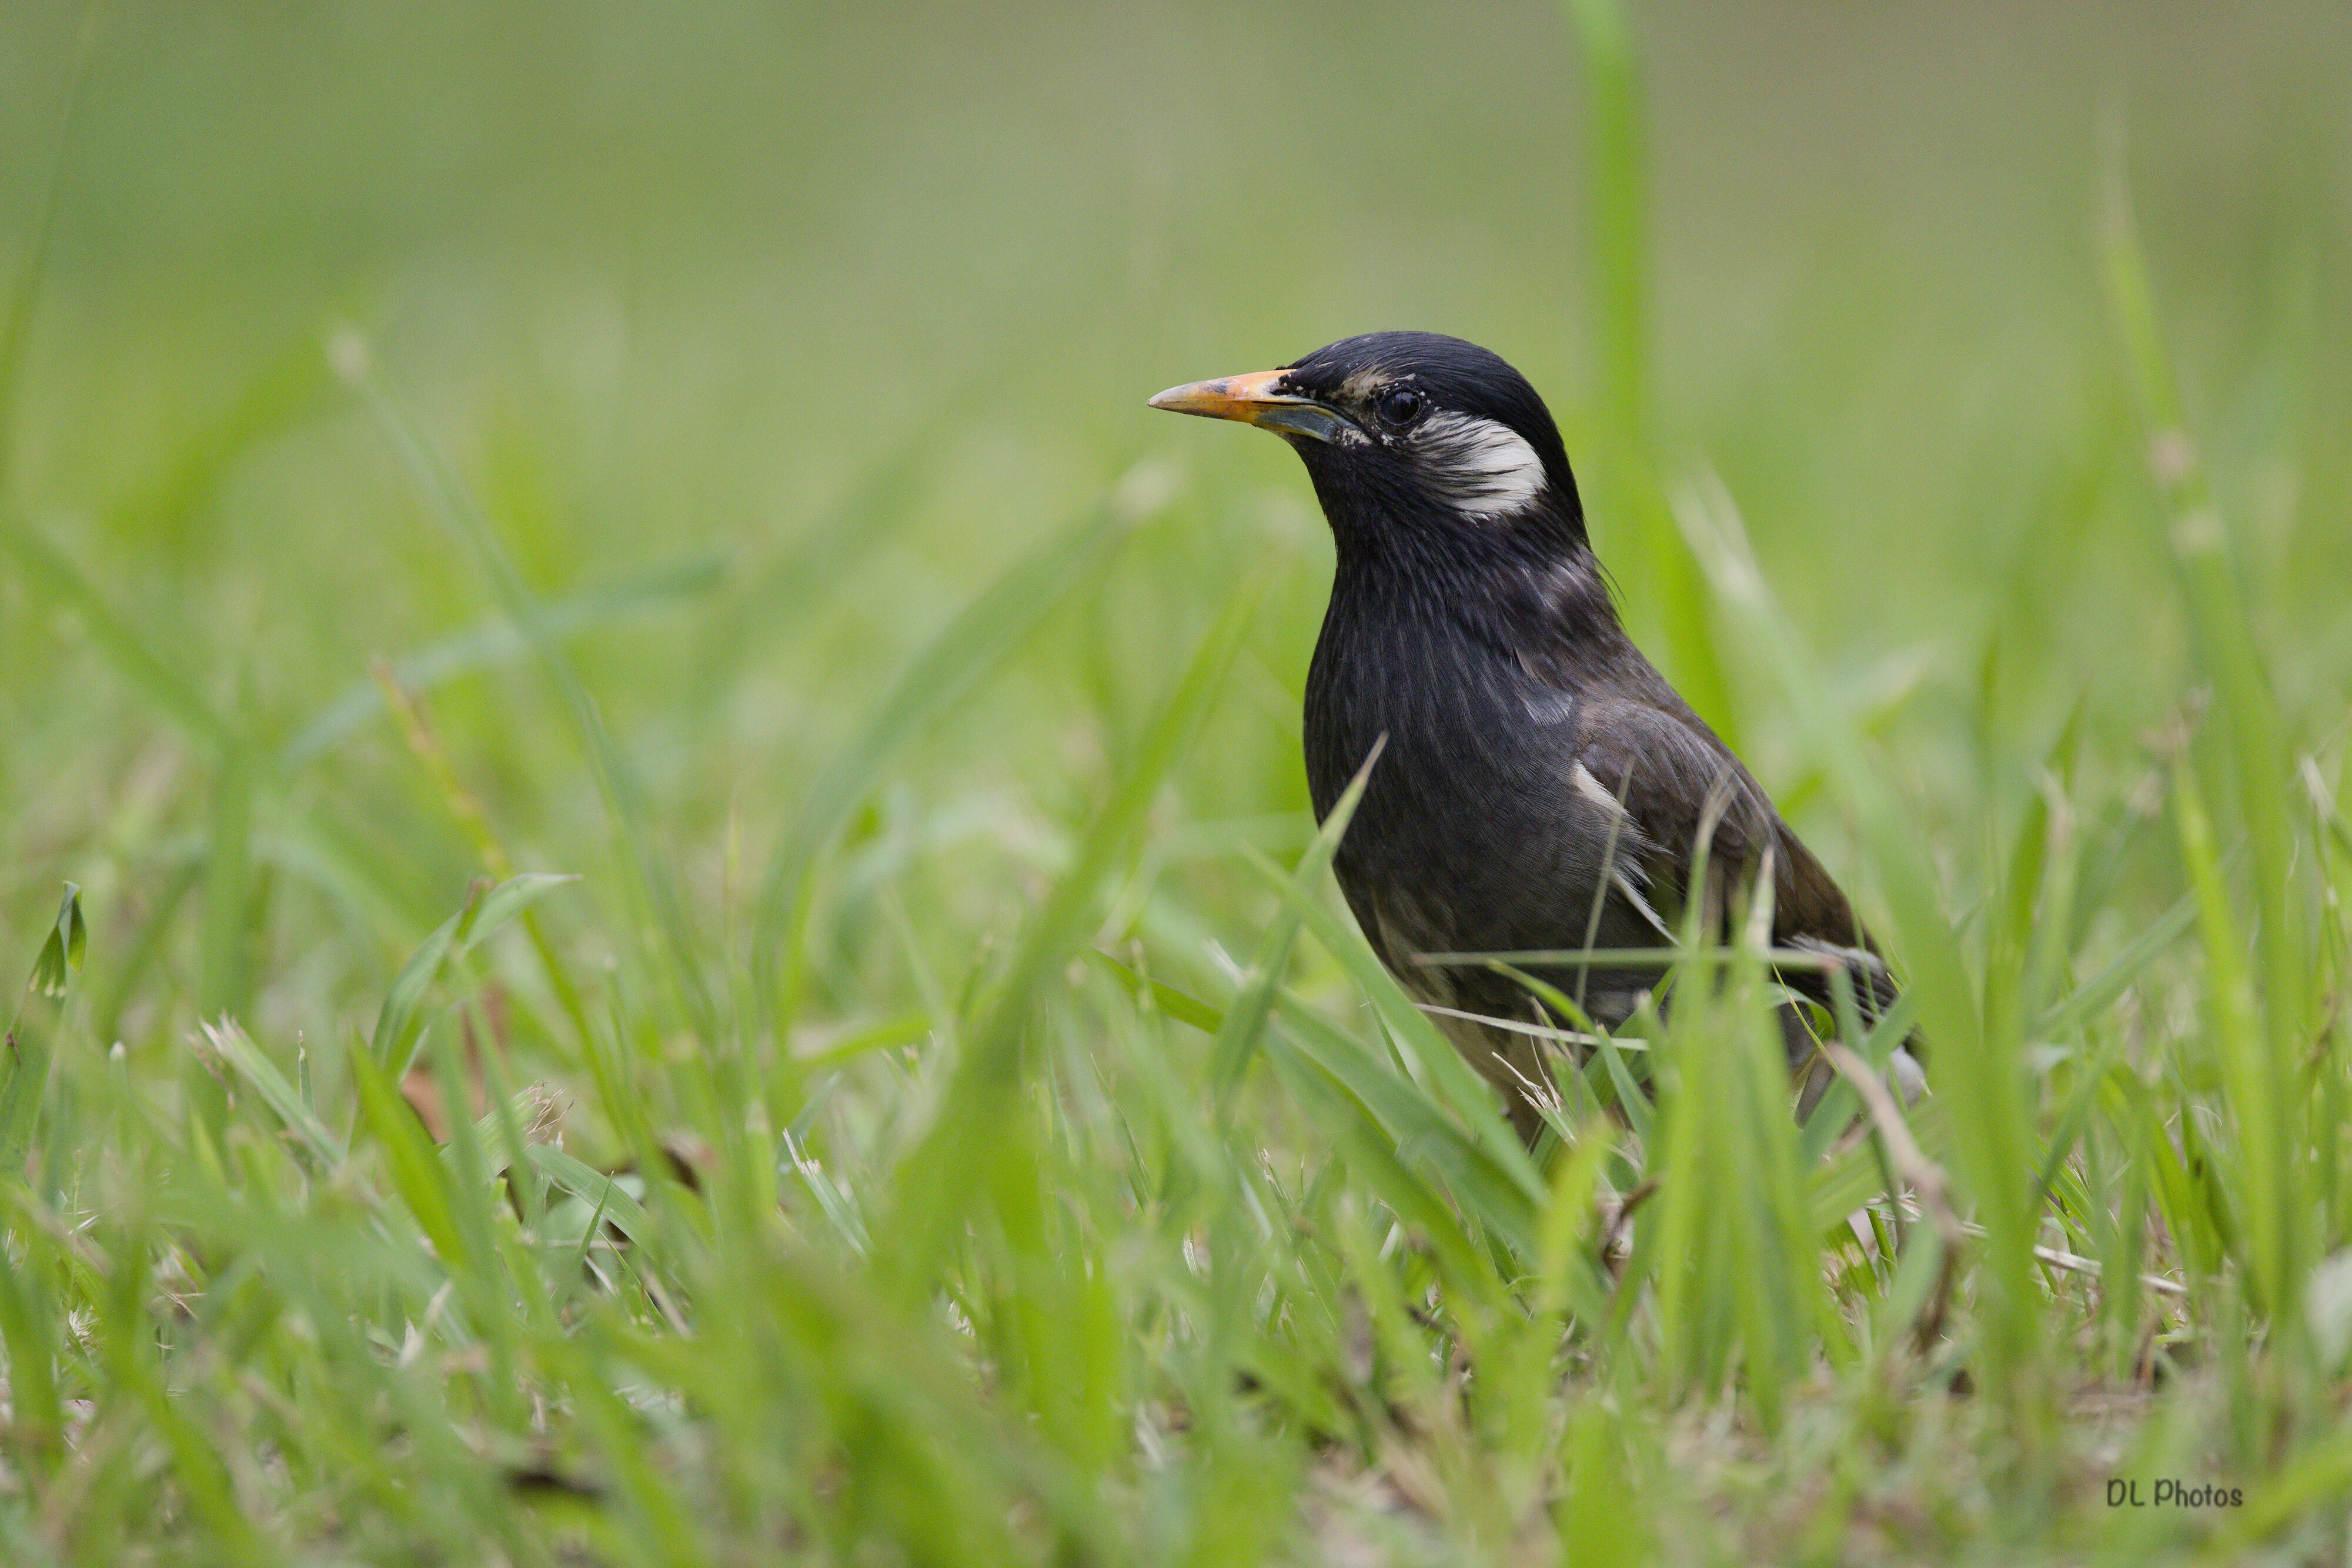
1400, 405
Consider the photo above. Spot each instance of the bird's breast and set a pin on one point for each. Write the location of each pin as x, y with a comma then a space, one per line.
1474, 746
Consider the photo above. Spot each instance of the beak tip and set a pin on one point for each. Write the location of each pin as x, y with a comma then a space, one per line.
1251, 399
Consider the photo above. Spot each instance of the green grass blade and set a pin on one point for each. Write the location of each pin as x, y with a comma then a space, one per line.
1980, 1073
61, 951
237, 1050
493, 643
1422, 1133
1665, 589
594, 1187
2249, 1085
163, 682
1165, 998
415, 1174
1373, 1155
17, 321
32, 1038
964, 653
400, 1021
2095, 994
617, 780
1465, 1094
1245, 1021
935, 1185
2263, 1032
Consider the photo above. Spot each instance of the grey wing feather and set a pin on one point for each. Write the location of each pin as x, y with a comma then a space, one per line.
1669, 773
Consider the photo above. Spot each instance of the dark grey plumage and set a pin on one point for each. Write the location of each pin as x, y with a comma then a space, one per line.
1542, 786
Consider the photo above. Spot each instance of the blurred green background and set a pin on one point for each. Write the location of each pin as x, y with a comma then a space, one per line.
766, 337
679, 282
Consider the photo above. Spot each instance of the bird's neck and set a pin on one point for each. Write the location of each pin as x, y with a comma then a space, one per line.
1451, 652
1534, 597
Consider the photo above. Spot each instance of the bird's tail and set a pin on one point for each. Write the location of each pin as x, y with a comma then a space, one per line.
1875, 995
1874, 991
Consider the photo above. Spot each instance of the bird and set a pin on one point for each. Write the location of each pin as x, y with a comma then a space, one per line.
1538, 784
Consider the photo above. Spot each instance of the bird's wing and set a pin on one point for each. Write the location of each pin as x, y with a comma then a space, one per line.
1671, 778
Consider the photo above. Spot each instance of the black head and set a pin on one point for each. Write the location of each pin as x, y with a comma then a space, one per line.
1411, 431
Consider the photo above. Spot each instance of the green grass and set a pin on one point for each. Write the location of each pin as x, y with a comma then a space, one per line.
616, 588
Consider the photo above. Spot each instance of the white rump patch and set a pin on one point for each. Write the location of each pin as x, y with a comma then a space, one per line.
1484, 469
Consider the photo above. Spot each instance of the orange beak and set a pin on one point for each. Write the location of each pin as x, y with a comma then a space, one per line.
1253, 399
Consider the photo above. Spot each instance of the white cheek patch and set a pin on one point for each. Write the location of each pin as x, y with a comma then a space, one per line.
1484, 469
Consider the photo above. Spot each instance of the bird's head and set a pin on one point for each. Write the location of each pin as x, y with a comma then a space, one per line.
1413, 432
